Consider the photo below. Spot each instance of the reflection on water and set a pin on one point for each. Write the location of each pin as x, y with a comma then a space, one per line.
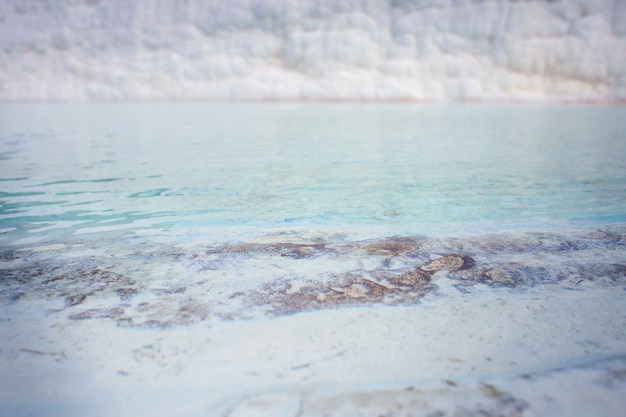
231, 257
110, 166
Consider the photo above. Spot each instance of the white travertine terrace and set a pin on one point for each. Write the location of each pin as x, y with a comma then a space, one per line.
431, 50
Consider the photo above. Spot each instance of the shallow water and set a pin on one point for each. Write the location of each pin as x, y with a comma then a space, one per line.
80, 168
145, 246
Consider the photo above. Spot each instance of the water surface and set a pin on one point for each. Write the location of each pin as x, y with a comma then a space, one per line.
293, 259
101, 166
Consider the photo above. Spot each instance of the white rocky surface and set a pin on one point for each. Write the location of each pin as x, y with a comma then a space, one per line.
313, 49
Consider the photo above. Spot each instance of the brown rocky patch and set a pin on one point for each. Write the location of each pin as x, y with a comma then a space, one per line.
291, 250
395, 246
349, 289
448, 263
98, 313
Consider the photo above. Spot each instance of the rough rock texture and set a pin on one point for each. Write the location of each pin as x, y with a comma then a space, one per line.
275, 277
313, 49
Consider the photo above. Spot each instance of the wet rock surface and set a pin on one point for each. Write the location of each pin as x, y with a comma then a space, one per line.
160, 286
395, 246
448, 263
287, 249
349, 289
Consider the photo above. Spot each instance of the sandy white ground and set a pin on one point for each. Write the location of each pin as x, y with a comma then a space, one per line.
532, 352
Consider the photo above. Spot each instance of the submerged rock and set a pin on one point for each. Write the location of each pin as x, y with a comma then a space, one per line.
291, 276
499, 277
286, 249
74, 300
98, 313
395, 246
448, 263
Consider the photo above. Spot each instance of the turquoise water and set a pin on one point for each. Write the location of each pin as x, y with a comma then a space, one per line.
76, 168
216, 252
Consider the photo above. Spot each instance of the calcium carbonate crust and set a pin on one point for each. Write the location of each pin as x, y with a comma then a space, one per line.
555, 50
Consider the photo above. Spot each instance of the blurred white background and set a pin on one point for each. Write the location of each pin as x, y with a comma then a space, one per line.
429, 50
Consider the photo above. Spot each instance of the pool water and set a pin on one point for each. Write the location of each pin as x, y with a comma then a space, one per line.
285, 258
96, 167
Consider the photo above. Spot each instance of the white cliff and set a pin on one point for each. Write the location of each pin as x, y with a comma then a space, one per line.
312, 50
